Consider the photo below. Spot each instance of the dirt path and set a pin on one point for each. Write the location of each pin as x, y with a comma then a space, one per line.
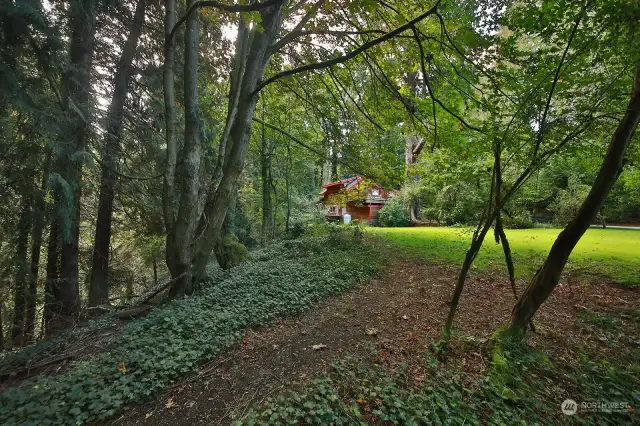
391, 319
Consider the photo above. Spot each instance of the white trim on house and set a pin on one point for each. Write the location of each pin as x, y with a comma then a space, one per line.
334, 210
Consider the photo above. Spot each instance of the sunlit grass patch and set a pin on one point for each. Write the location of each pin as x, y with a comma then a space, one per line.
614, 253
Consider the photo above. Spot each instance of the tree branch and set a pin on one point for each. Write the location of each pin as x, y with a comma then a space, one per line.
350, 55
304, 145
222, 6
543, 122
466, 58
387, 84
292, 35
427, 85
355, 103
435, 99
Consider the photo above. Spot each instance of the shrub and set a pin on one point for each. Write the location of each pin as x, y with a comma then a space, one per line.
517, 220
304, 215
459, 204
568, 202
232, 252
393, 214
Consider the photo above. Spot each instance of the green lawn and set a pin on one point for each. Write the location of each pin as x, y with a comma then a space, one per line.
614, 253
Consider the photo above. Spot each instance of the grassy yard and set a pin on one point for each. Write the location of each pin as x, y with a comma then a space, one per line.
614, 253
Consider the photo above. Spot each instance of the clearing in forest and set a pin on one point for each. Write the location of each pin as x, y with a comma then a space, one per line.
611, 253
365, 357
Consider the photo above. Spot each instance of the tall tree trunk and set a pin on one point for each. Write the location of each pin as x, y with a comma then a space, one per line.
548, 275
239, 135
187, 218
334, 162
99, 284
51, 307
240, 60
412, 149
20, 261
155, 271
168, 196
500, 235
36, 244
265, 172
1, 326
472, 252
275, 200
76, 85
3, 274
286, 182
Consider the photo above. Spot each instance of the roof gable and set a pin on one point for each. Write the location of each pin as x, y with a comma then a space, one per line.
344, 182
347, 184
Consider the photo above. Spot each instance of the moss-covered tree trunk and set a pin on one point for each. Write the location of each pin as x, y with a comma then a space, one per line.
187, 216
219, 200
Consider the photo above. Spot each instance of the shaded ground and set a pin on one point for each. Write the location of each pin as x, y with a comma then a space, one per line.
51, 357
391, 320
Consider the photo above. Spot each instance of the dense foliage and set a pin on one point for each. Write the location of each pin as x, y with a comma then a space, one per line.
393, 213
159, 142
280, 280
519, 389
91, 196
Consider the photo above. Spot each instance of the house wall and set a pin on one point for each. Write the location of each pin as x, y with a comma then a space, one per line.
362, 212
367, 212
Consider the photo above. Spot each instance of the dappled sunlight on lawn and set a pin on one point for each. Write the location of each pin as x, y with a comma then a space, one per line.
611, 252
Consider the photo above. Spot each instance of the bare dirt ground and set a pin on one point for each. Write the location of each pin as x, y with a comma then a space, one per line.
389, 320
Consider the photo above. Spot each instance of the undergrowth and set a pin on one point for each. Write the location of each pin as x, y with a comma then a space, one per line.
42, 349
521, 387
280, 280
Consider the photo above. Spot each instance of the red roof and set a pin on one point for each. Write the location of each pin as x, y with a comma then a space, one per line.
344, 182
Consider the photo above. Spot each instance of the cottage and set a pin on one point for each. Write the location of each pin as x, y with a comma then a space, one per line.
358, 196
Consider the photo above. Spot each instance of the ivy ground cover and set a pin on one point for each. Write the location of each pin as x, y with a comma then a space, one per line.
281, 280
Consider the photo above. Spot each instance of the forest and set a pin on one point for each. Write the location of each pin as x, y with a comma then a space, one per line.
319, 212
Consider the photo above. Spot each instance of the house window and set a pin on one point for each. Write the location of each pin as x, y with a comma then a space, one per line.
333, 209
